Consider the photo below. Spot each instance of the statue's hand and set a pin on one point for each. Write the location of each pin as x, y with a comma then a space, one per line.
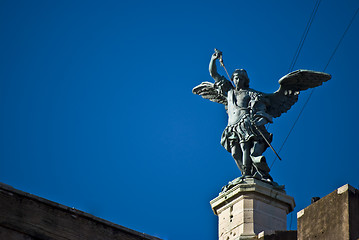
216, 55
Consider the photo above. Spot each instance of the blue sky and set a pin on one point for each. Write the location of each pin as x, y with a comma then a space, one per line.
97, 113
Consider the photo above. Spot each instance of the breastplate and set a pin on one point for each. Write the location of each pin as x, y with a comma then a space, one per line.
237, 105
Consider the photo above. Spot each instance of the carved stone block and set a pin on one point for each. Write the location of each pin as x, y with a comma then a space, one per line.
250, 208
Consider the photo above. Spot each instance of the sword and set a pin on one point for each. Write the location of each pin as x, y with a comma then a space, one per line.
266, 140
221, 61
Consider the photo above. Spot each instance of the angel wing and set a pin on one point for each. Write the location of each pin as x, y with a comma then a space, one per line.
208, 91
290, 86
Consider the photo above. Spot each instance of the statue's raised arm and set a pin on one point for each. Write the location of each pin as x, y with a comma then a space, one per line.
246, 136
217, 91
213, 67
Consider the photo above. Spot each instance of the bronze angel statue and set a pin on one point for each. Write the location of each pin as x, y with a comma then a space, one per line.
246, 136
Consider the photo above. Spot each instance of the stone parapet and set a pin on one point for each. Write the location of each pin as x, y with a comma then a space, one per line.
250, 208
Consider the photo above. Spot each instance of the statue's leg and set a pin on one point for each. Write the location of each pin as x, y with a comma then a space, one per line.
237, 155
259, 161
247, 161
258, 148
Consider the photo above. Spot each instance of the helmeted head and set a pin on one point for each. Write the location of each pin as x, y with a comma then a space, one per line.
240, 78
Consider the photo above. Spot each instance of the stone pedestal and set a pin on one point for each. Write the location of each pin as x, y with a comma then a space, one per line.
250, 208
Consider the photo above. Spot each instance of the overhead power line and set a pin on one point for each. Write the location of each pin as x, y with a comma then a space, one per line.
311, 93
341, 39
294, 60
304, 36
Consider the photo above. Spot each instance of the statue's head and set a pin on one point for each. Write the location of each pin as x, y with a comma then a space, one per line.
240, 78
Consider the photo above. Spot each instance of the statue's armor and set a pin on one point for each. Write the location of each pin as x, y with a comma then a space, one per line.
244, 106
238, 101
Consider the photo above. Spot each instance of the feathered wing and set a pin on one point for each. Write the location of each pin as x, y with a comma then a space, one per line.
290, 86
208, 91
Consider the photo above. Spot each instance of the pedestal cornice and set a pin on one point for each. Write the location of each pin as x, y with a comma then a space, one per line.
252, 185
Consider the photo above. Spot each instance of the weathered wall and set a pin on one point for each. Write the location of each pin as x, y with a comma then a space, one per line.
25, 217
9, 234
335, 216
354, 214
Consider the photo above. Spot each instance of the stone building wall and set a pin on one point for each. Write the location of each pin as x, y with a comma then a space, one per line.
335, 216
24, 216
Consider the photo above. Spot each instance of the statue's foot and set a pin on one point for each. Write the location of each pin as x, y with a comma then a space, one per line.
268, 180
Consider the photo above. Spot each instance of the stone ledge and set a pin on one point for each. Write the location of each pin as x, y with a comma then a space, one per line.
252, 185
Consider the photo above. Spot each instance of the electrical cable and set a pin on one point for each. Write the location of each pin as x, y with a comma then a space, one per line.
304, 36
311, 93
301, 43
341, 39
295, 57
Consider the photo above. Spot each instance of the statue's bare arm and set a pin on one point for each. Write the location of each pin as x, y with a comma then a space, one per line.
213, 68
